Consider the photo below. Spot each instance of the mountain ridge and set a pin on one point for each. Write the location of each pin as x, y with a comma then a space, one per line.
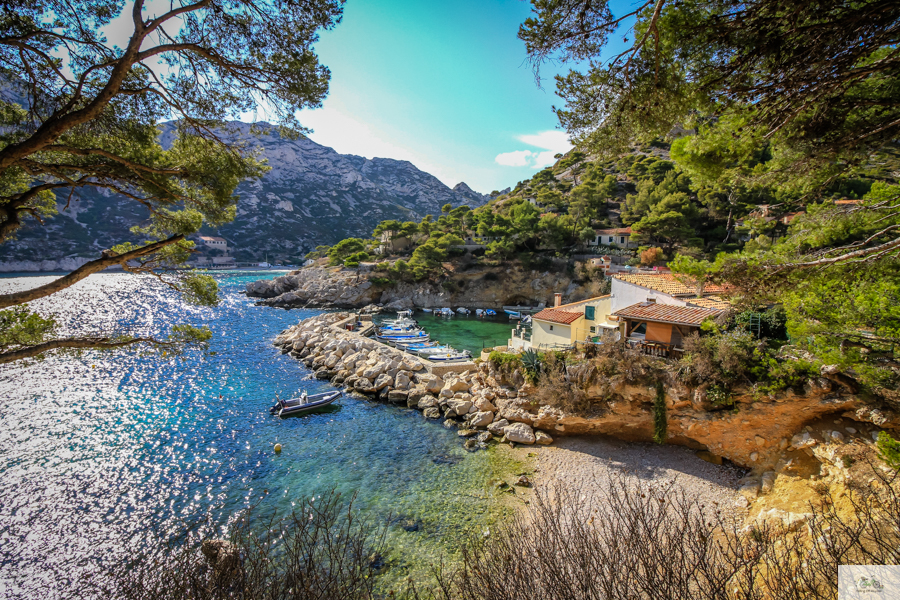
312, 195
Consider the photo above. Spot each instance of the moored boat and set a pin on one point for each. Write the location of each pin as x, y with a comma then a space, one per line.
304, 404
449, 356
490, 312
420, 336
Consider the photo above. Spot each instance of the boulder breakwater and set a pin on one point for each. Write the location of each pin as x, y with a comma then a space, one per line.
464, 396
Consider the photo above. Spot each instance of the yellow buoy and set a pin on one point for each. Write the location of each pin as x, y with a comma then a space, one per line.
277, 447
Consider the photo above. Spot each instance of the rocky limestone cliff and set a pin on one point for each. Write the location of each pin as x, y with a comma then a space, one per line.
478, 288
758, 431
311, 196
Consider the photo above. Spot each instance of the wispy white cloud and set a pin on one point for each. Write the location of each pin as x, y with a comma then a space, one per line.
519, 158
551, 143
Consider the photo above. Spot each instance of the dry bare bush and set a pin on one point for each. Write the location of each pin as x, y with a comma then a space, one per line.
660, 543
323, 550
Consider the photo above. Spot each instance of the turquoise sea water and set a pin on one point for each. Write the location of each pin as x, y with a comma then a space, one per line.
100, 452
465, 332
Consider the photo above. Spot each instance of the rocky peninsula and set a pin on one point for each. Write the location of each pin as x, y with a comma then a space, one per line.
481, 287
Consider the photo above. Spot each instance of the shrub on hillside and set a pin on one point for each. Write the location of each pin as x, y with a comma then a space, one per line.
724, 358
504, 362
651, 256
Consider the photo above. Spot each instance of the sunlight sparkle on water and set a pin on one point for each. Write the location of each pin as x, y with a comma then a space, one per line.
100, 453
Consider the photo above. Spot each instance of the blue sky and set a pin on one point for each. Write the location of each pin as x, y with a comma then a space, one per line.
443, 84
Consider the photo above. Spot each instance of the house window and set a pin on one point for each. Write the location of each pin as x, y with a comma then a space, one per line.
589, 312
593, 329
622, 240
610, 239
551, 328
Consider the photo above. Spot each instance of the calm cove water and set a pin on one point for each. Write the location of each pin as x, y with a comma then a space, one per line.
464, 332
100, 452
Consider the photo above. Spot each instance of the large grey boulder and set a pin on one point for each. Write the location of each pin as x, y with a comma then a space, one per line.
481, 419
519, 433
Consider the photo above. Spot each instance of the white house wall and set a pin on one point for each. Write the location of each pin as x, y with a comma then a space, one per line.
626, 294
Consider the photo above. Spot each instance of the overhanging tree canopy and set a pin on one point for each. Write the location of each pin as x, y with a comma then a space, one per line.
86, 84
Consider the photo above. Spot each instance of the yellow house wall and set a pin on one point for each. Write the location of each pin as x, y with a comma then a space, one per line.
561, 335
582, 327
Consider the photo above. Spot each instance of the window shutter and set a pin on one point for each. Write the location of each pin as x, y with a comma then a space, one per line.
589, 313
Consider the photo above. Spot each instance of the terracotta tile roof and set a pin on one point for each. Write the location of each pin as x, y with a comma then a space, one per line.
710, 302
666, 313
665, 283
558, 316
575, 305
619, 231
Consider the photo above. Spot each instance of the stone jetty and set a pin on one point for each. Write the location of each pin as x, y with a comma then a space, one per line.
465, 397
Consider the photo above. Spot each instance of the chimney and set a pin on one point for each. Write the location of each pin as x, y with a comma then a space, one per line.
557, 300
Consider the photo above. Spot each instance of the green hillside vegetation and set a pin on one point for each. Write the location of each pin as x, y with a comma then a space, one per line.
691, 198
706, 205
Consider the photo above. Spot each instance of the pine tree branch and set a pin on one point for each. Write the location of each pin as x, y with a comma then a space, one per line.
858, 254
95, 266
101, 343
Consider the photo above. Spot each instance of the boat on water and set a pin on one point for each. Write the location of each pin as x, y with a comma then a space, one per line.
419, 336
415, 345
437, 349
449, 356
479, 312
405, 327
490, 312
304, 404
462, 310
513, 314
428, 310
404, 313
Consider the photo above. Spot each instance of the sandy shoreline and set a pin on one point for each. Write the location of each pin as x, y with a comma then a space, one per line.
588, 463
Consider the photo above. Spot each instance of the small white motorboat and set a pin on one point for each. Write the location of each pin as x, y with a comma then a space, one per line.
428, 310
462, 310
304, 404
479, 312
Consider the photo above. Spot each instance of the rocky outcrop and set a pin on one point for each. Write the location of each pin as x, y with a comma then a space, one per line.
345, 288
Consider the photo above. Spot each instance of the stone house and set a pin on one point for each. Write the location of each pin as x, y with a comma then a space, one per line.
620, 237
